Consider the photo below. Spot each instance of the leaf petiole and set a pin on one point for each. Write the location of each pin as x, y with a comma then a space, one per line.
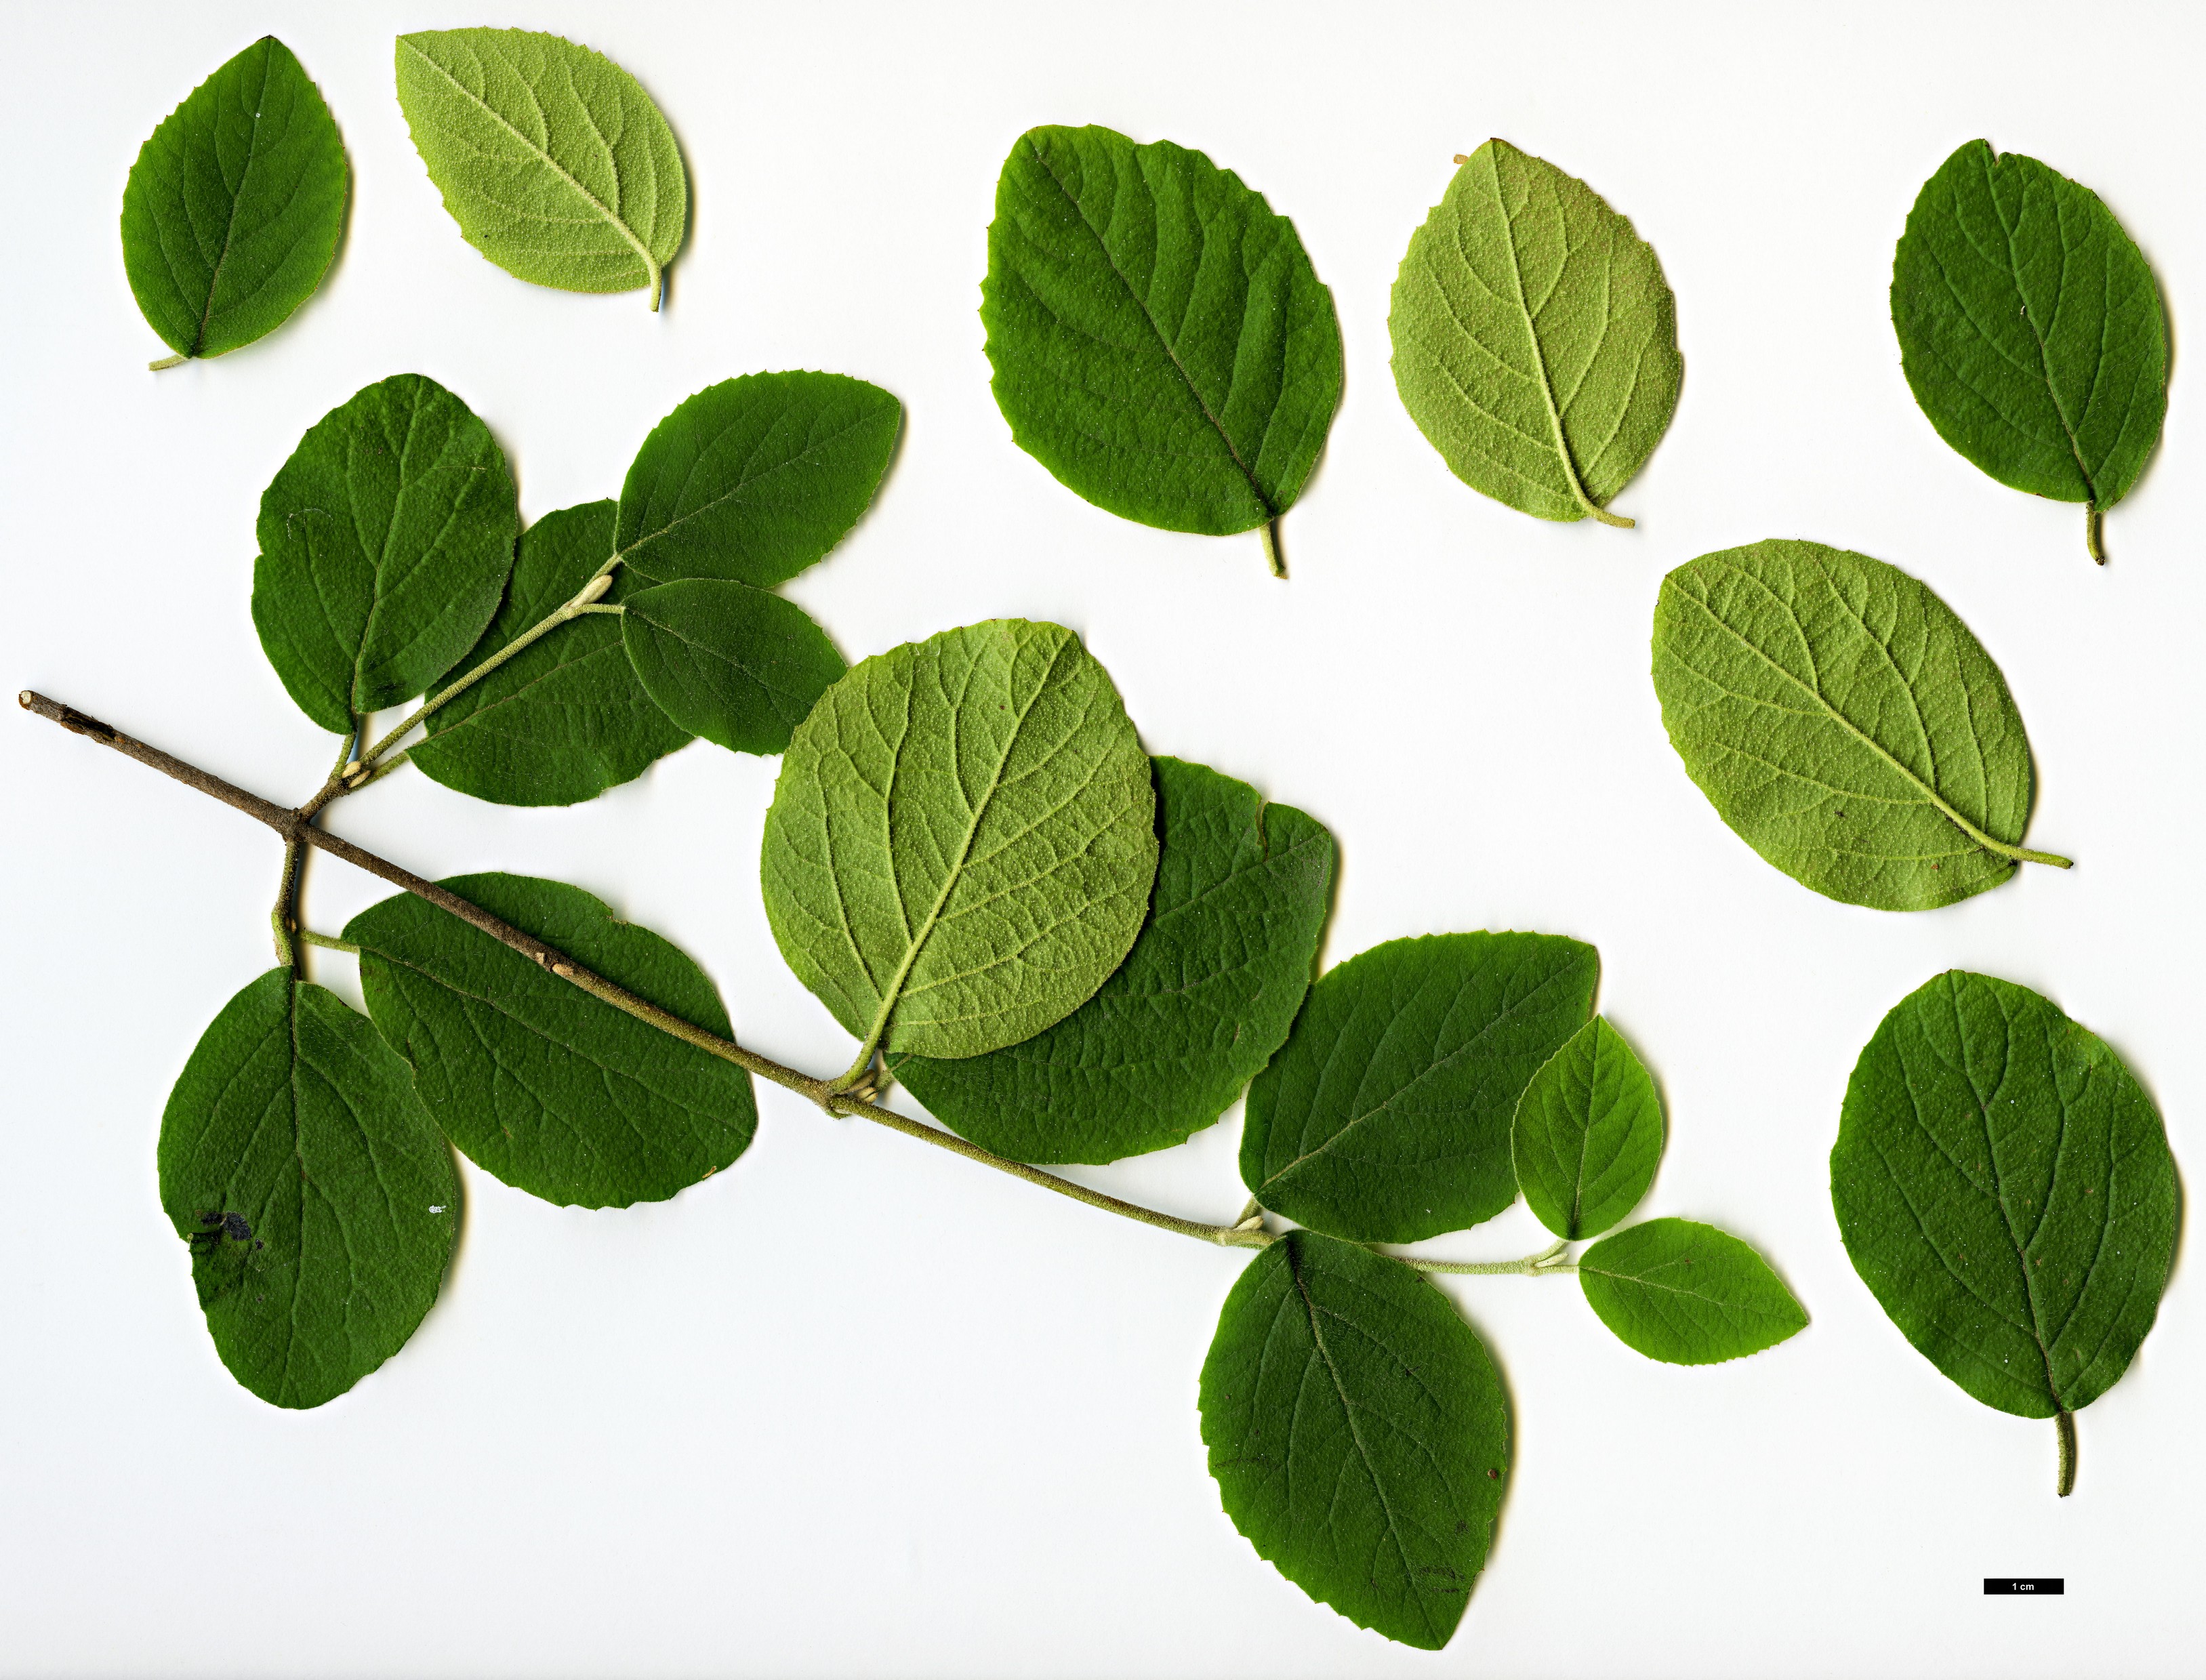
2064, 1424
326, 943
2094, 533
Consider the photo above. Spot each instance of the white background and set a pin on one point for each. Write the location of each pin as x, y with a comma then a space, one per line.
856, 1407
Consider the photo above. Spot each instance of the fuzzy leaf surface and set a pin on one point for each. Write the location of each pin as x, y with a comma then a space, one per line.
1687, 1294
320, 1202
736, 665
1386, 1117
1358, 1433
2004, 1189
1587, 1134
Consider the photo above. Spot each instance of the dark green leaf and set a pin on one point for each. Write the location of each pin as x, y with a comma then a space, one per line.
1159, 340
385, 540
538, 1082
566, 718
320, 1203
755, 478
1587, 1134
232, 211
2005, 1190
1358, 1432
1687, 1294
1387, 1117
1206, 996
736, 664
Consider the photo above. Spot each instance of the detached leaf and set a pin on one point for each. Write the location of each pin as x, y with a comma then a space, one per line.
319, 1201
1687, 1294
1387, 1117
1358, 1432
736, 664
1159, 340
385, 540
1845, 724
554, 162
232, 213
2030, 329
1536, 341
539, 1083
962, 840
1198, 1006
1587, 1134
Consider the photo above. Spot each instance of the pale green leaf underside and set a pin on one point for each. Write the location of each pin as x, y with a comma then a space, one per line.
1587, 1134
1686, 1293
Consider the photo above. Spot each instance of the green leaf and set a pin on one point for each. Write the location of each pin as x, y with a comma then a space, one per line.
1587, 1134
385, 540
755, 478
566, 718
2030, 329
320, 1203
538, 1082
554, 162
1199, 1006
1387, 1117
1161, 342
1687, 1294
736, 664
962, 840
232, 213
1536, 341
2005, 1190
1845, 724
1358, 1432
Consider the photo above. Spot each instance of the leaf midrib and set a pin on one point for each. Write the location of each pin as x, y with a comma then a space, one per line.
2044, 365
229, 227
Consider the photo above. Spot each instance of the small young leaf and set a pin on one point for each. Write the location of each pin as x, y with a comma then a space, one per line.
539, 1083
1358, 1433
2005, 1190
1587, 1134
566, 718
1687, 1294
1536, 341
1161, 342
1386, 1117
385, 540
320, 1202
554, 162
2030, 329
755, 478
1206, 996
1845, 724
232, 211
962, 840
736, 664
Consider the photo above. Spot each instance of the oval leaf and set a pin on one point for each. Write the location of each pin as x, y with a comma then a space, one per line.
232, 213
319, 1201
755, 478
1587, 1134
538, 1082
1687, 1294
1387, 1117
2030, 329
962, 840
385, 540
1198, 1006
566, 718
554, 162
1845, 724
1358, 1433
1536, 341
2005, 1190
1161, 342
736, 664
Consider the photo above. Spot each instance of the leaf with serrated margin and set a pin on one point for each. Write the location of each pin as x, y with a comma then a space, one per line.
319, 1201
232, 213
1536, 341
738, 665
962, 840
1198, 1006
1386, 1117
1845, 724
1587, 1134
1358, 1433
538, 1082
385, 540
1687, 1294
